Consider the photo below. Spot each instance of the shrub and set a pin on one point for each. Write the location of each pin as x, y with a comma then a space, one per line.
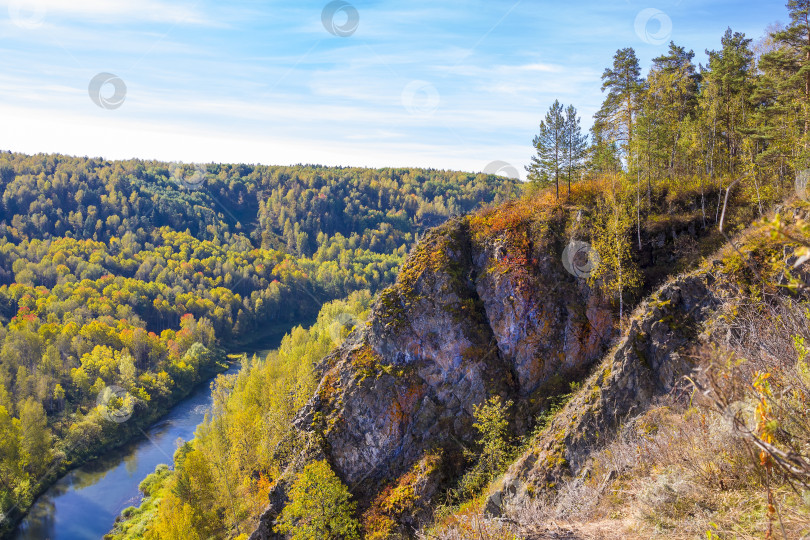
320, 507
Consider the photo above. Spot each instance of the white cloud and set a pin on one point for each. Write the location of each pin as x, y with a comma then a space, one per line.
49, 12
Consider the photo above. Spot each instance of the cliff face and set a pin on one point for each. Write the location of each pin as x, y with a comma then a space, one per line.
649, 362
465, 321
482, 307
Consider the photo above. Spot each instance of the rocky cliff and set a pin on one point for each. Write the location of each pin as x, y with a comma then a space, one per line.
484, 306
649, 362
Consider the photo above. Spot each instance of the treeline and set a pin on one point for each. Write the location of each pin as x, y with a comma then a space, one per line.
127, 275
307, 210
296, 209
746, 114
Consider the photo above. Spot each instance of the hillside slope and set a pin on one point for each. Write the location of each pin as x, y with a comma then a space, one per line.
114, 274
485, 310
671, 432
482, 307
462, 323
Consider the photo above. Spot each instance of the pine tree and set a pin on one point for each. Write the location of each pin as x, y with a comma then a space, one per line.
777, 120
726, 96
575, 144
603, 154
671, 97
786, 69
548, 163
625, 86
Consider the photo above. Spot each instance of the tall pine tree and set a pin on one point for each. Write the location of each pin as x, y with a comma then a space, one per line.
576, 145
548, 163
624, 87
786, 69
726, 96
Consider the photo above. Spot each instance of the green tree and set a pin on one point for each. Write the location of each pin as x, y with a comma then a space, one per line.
492, 424
625, 87
726, 96
320, 507
669, 100
792, 57
548, 162
603, 155
575, 145
777, 118
783, 92
616, 273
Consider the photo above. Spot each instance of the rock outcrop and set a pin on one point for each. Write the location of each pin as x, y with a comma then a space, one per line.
484, 306
480, 308
650, 361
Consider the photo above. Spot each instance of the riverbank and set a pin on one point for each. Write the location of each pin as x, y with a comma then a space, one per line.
261, 344
126, 433
85, 502
268, 339
223, 475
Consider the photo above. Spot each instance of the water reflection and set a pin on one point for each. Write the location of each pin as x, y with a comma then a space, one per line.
84, 504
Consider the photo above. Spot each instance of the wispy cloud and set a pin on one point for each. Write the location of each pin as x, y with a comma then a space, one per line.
258, 81
105, 11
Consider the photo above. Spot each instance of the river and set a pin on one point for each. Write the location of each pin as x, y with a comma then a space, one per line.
84, 503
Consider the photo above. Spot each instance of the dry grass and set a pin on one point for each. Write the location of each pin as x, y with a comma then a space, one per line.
468, 522
689, 470
686, 470
670, 474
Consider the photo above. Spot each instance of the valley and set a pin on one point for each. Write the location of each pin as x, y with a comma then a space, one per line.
606, 336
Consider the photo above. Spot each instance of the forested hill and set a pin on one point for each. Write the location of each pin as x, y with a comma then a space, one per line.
296, 208
253, 231
136, 274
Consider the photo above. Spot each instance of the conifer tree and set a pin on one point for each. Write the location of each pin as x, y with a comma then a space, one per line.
575, 145
603, 153
549, 161
672, 97
726, 95
624, 85
786, 70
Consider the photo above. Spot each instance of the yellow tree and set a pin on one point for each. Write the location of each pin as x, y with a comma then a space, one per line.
320, 507
613, 220
175, 521
35, 437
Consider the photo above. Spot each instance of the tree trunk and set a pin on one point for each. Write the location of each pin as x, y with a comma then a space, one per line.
807, 84
638, 207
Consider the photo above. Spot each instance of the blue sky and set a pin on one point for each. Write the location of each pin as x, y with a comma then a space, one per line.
443, 84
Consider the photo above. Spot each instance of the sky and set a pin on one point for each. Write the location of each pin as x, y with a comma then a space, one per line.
441, 83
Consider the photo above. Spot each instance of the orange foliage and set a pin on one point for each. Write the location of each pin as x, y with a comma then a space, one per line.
397, 500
